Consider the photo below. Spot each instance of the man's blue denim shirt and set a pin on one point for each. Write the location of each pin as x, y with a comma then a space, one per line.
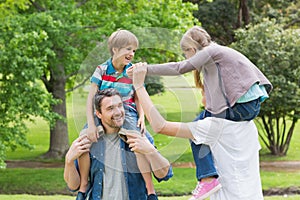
134, 180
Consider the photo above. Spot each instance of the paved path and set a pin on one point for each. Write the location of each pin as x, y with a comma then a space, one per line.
290, 166
287, 166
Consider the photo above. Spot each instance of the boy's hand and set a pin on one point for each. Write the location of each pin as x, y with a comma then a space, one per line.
92, 133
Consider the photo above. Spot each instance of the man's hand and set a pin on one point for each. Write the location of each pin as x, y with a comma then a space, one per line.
141, 124
79, 146
139, 143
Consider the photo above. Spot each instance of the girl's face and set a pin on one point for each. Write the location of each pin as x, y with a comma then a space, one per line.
189, 52
124, 55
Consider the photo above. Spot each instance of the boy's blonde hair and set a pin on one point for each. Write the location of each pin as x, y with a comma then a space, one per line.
197, 38
120, 39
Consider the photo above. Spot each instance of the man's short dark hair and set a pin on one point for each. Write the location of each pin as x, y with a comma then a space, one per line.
101, 94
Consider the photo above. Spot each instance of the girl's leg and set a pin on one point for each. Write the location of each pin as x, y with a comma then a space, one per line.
206, 172
203, 157
244, 111
204, 161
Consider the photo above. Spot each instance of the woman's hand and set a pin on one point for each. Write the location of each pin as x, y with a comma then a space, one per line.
139, 74
129, 71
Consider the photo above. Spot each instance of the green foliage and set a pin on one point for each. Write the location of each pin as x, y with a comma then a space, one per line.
275, 51
44, 44
218, 17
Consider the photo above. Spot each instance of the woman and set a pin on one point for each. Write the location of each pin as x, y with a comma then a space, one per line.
234, 144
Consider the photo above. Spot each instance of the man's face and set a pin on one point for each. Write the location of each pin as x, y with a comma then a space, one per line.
112, 113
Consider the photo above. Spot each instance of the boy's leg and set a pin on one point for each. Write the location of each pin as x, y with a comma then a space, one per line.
130, 123
84, 169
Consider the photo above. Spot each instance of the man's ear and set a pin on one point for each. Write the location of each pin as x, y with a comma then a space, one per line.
98, 114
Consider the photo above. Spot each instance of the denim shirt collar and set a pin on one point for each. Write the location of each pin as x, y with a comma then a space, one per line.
134, 181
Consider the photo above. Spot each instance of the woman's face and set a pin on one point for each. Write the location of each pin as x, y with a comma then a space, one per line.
124, 55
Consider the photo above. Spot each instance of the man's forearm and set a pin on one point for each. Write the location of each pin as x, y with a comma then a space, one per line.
71, 175
159, 164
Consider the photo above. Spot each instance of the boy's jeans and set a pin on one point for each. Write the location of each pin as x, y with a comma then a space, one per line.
201, 152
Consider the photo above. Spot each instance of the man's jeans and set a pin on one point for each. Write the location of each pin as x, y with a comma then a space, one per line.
202, 153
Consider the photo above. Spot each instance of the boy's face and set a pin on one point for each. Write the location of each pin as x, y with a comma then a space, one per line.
124, 55
112, 113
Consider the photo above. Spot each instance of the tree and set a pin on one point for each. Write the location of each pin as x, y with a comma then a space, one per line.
43, 44
275, 51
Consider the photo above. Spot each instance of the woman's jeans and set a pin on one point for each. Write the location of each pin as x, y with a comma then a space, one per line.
202, 153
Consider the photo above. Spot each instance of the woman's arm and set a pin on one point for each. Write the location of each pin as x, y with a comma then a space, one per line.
157, 122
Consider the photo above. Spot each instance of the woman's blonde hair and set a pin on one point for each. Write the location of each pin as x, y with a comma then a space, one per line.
120, 39
196, 37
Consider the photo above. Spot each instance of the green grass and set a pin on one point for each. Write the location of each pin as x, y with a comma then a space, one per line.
176, 104
32, 181
60, 197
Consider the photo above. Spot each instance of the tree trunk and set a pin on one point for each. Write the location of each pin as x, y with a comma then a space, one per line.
243, 14
59, 139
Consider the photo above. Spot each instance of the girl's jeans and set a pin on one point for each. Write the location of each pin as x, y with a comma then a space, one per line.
202, 153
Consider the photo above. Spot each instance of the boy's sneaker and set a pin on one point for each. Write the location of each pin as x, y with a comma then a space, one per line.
152, 197
205, 189
80, 196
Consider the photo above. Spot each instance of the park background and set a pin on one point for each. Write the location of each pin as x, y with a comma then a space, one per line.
49, 48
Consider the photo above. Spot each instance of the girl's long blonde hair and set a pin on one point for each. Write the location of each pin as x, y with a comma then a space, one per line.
196, 37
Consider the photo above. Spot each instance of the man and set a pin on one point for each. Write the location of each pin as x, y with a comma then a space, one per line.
114, 173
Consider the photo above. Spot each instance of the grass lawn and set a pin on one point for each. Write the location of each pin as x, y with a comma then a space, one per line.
60, 197
176, 104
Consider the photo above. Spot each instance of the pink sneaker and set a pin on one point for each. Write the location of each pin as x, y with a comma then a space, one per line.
205, 189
